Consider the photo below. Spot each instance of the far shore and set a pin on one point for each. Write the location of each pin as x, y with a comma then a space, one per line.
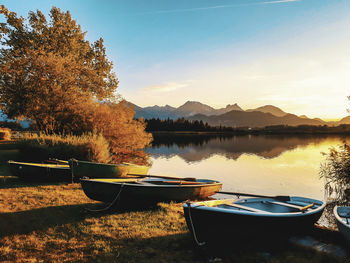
271, 130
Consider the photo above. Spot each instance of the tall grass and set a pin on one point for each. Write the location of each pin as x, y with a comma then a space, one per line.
40, 146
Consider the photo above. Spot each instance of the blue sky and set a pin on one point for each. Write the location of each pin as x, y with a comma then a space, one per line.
289, 53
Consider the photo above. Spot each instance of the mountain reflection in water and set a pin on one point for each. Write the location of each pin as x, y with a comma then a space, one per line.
194, 148
270, 165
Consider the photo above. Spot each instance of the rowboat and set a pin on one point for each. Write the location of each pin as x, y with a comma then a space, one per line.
82, 169
40, 171
342, 216
148, 191
242, 219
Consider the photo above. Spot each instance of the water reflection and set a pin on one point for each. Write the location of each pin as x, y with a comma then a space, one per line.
269, 165
194, 148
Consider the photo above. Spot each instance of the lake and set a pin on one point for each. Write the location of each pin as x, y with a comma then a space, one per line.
268, 165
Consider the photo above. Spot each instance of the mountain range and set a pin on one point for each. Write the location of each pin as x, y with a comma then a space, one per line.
232, 115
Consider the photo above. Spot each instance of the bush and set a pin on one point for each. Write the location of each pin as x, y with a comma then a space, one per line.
5, 134
126, 136
39, 147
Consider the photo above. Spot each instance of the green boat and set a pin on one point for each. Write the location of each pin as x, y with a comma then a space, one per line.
40, 171
82, 169
148, 191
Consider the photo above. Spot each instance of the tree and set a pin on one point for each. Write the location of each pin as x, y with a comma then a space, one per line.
50, 73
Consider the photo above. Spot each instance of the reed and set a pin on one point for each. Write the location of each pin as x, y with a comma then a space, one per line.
335, 169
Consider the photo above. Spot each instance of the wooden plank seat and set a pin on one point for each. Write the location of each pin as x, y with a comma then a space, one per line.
301, 208
345, 215
251, 209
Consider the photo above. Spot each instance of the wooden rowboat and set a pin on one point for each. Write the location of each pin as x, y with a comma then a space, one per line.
82, 169
244, 219
148, 191
342, 216
40, 171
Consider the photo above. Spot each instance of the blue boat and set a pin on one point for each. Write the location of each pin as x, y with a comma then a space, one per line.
251, 218
342, 216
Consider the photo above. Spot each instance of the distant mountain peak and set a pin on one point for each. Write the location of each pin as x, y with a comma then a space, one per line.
233, 107
192, 102
194, 107
270, 109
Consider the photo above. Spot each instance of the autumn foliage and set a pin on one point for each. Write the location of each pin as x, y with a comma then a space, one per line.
5, 134
63, 83
126, 134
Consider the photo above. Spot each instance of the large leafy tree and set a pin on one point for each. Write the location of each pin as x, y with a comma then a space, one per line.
50, 74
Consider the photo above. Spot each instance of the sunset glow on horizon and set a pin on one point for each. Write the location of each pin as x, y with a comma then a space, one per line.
293, 54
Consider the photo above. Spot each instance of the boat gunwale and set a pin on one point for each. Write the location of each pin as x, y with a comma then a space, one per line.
338, 217
250, 213
41, 165
106, 164
132, 184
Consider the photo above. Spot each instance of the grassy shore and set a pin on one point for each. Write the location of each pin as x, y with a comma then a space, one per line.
50, 223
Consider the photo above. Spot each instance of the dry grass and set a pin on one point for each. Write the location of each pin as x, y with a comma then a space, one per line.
49, 223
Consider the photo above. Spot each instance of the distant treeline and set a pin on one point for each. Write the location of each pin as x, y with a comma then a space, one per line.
302, 129
183, 125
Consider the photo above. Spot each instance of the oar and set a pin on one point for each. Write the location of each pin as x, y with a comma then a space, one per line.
278, 197
166, 177
54, 160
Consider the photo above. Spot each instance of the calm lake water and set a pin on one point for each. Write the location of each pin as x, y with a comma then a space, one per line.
269, 165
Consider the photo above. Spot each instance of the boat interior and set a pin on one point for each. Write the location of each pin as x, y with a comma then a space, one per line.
344, 214
262, 205
153, 181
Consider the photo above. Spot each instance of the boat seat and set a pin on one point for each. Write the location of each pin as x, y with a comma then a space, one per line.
286, 204
345, 215
251, 209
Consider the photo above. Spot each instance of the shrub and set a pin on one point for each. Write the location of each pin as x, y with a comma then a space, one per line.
126, 136
5, 134
40, 147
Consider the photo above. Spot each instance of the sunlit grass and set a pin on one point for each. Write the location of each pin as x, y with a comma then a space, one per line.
52, 218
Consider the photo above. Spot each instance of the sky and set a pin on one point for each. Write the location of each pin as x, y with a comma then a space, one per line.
293, 54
